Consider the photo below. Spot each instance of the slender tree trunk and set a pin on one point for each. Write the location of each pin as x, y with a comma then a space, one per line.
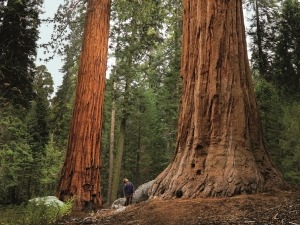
118, 162
261, 62
80, 176
111, 146
220, 148
121, 140
138, 155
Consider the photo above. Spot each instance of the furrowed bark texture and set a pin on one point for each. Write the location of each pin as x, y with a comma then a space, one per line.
220, 148
80, 175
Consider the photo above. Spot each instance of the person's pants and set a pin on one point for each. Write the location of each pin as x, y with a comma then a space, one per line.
128, 199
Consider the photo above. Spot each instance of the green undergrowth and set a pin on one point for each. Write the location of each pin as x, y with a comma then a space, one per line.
33, 214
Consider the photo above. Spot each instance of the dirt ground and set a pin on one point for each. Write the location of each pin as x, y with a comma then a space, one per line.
276, 207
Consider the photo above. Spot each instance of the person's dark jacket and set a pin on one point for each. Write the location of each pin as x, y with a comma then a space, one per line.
128, 188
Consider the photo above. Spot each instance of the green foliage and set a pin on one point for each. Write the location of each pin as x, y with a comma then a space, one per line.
287, 54
50, 169
18, 36
62, 103
264, 15
281, 125
146, 47
24, 93
37, 122
23, 139
275, 45
291, 143
61, 112
15, 157
68, 27
34, 214
275, 56
38, 116
271, 110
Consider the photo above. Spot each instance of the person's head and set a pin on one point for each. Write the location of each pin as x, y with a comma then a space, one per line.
125, 180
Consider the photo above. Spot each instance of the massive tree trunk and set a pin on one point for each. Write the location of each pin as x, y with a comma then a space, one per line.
80, 176
220, 147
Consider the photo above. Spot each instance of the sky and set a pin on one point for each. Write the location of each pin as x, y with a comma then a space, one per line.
54, 65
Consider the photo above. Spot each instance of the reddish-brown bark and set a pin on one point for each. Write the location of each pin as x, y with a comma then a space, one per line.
80, 177
220, 147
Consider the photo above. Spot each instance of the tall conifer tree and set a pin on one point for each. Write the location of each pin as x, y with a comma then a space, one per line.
80, 176
19, 21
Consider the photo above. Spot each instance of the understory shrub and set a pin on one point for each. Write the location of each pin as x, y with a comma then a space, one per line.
32, 213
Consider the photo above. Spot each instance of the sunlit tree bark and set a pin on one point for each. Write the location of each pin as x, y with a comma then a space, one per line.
80, 177
220, 147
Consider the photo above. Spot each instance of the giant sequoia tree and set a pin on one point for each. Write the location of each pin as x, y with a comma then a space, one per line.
80, 176
220, 147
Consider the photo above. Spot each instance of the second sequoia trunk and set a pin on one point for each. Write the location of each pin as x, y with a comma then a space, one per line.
80, 176
220, 147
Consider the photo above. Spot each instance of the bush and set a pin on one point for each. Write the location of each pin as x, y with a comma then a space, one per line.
34, 213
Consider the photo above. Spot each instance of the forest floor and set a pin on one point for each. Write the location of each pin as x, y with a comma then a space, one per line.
276, 207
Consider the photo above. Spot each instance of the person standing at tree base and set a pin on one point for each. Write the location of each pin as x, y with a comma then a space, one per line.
128, 190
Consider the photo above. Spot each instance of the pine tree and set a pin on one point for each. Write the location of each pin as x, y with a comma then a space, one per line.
262, 27
19, 23
15, 157
38, 127
286, 63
